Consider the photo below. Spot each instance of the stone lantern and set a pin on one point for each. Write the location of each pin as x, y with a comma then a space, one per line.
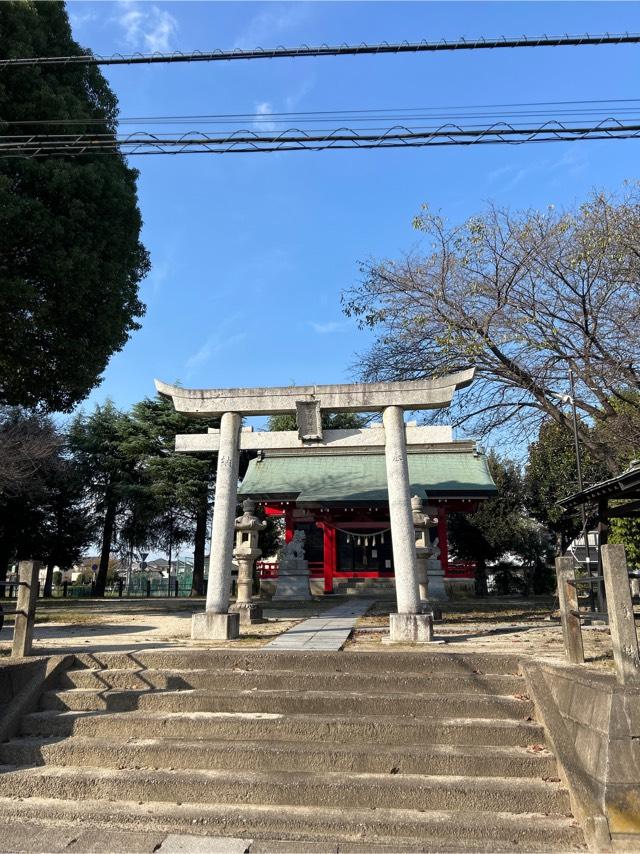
430, 576
246, 553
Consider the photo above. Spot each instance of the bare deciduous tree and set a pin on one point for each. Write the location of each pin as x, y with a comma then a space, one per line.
27, 444
523, 297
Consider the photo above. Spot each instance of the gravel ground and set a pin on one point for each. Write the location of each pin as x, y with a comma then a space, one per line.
527, 627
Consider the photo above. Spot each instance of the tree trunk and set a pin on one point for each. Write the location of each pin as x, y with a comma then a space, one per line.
200, 539
105, 553
48, 581
481, 577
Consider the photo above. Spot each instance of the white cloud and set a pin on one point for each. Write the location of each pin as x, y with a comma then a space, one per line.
570, 163
79, 19
266, 26
331, 326
146, 27
264, 109
215, 343
304, 87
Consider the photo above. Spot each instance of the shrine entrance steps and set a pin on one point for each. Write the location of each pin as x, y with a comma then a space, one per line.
382, 587
427, 751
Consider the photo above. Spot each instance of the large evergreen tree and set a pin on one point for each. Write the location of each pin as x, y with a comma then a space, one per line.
110, 475
70, 254
180, 486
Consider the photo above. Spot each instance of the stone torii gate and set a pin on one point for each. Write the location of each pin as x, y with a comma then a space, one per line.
308, 402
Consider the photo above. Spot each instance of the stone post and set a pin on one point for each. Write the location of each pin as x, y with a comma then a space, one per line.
408, 625
624, 637
216, 623
246, 552
25, 608
568, 599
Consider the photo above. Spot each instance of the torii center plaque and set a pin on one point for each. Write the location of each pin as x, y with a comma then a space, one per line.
307, 403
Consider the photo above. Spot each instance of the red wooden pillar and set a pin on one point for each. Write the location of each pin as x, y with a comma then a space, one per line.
443, 543
288, 524
329, 558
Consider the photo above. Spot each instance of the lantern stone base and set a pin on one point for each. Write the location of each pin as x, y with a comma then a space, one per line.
210, 626
250, 612
410, 628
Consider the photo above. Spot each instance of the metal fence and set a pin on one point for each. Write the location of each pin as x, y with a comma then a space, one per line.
139, 587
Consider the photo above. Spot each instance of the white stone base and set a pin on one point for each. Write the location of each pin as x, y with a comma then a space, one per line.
209, 626
250, 612
410, 628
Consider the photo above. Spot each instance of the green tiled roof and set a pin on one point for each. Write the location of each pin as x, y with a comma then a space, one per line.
362, 477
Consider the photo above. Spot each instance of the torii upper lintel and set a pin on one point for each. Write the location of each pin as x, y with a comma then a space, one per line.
434, 393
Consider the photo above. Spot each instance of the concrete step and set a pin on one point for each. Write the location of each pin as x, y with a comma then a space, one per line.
286, 702
471, 761
420, 661
357, 830
293, 680
327, 729
286, 788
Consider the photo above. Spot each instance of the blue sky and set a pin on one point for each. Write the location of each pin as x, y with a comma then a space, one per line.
251, 252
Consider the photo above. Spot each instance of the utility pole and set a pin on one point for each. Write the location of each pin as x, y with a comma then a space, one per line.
583, 513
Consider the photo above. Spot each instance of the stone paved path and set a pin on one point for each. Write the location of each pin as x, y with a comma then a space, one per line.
327, 632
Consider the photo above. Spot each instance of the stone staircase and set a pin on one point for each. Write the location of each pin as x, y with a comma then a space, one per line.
425, 751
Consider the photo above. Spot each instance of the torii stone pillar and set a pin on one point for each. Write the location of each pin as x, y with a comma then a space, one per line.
408, 625
308, 403
216, 623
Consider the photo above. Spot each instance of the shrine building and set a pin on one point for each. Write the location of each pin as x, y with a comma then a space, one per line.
340, 501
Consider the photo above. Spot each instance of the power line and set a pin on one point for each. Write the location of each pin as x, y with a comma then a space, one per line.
562, 109
38, 146
327, 50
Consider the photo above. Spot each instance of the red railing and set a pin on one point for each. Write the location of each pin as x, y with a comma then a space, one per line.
269, 569
461, 569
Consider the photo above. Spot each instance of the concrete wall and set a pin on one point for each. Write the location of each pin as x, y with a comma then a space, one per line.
602, 718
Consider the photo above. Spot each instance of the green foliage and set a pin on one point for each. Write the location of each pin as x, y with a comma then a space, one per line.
499, 528
139, 485
330, 421
627, 532
70, 255
625, 448
110, 475
177, 486
551, 474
